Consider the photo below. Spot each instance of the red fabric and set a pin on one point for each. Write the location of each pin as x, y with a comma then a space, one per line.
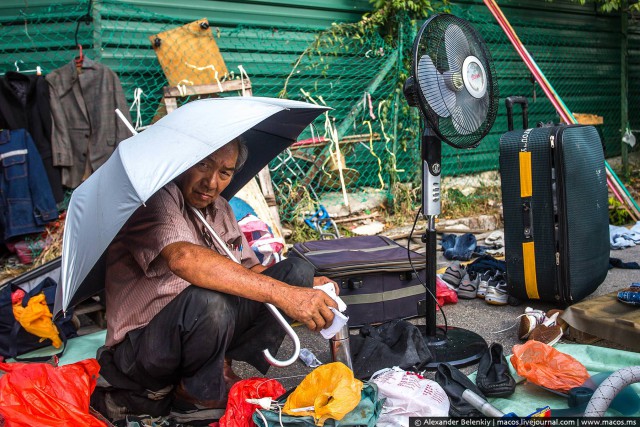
39, 394
444, 294
239, 412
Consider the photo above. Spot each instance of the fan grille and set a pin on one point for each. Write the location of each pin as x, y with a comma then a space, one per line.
458, 98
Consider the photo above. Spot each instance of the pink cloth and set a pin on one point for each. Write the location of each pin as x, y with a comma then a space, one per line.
138, 281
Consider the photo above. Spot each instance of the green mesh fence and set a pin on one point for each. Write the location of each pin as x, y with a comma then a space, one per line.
359, 75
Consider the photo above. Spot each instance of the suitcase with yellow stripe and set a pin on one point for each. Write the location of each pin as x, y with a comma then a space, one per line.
556, 220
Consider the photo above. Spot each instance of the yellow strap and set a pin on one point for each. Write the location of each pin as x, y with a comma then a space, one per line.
526, 187
529, 260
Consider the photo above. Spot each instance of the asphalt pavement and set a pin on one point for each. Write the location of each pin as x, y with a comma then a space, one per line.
493, 323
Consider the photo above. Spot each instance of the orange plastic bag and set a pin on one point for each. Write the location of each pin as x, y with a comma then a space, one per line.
38, 394
239, 412
547, 367
330, 389
36, 318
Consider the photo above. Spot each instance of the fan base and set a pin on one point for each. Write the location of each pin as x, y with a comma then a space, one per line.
459, 347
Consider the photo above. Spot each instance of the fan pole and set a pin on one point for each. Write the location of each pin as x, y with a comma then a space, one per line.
447, 344
431, 159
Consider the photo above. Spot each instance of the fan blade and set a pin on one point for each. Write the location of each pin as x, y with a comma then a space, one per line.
457, 47
432, 85
469, 112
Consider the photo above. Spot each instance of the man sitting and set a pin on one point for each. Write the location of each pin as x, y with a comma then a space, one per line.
179, 310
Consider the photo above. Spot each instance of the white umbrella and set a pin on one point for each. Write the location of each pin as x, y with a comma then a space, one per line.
144, 163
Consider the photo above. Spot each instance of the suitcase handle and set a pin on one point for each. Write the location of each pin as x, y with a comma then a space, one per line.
525, 113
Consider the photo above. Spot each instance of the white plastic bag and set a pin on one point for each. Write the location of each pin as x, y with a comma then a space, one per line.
408, 395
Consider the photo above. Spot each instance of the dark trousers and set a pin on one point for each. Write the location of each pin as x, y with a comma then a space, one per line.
189, 338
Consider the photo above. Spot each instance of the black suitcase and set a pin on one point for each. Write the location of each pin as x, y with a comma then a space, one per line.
377, 281
556, 220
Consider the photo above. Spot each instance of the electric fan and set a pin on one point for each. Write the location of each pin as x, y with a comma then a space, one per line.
453, 84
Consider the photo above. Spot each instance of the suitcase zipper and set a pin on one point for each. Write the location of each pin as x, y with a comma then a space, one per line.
562, 258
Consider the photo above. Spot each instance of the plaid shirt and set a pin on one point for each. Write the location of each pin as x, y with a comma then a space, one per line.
138, 281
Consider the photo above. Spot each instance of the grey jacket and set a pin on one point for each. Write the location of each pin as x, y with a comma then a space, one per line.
86, 128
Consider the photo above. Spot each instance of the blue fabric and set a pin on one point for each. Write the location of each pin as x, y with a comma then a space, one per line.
486, 263
241, 208
26, 198
459, 248
617, 263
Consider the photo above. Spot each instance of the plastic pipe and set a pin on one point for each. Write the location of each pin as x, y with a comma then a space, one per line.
607, 391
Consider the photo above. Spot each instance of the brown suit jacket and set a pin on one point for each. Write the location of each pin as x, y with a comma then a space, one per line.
86, 128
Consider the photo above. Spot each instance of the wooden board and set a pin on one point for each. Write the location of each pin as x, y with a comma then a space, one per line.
189, 55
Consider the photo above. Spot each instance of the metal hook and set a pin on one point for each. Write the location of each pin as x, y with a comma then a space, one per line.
19, 61
291, 333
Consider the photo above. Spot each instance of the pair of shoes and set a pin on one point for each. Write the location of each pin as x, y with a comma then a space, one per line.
468, 288
493, 377
483, 283
454, 274
529, 320
454, 383
630, 295
539, 326
497, 293
495, 239
549, 335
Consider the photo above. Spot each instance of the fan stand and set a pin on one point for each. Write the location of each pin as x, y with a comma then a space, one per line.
457, 346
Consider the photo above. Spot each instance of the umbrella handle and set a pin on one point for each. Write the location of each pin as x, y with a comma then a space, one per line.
289, 330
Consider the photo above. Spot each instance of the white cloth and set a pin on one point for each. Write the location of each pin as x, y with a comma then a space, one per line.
339, 319
622, 237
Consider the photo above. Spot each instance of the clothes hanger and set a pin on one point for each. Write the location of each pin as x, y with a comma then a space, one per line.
37, 70
79, 60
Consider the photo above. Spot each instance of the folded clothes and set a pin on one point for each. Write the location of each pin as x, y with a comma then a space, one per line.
459, 248
622, 237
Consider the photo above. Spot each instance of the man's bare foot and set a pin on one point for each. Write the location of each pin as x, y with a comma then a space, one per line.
230, 377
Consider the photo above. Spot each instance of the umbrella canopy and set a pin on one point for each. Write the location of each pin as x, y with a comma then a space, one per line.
144, 163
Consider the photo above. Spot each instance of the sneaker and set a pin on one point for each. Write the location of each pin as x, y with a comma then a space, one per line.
469, 286
555, 314
454, 274
630, 295
546, 334
497, 290
529, 320
483, 283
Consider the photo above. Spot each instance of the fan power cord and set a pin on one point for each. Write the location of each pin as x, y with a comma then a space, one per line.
413, 228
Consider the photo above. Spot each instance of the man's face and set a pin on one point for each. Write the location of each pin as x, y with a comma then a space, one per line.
202, 183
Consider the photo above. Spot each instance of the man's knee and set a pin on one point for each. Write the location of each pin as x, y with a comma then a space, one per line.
294, 271
209, 309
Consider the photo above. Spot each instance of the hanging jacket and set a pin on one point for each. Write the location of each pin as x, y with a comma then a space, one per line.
26, 201
24, 104
86, 128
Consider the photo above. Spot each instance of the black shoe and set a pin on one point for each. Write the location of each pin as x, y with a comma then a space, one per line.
454, 384
493, 377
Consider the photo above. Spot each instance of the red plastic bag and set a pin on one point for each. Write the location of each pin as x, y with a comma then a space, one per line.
239, 412
547, 367
444, 294
39, 394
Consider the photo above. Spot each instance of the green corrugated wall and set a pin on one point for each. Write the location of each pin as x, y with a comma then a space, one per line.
575, 46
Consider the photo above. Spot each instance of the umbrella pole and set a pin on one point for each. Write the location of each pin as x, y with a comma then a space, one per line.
281, 320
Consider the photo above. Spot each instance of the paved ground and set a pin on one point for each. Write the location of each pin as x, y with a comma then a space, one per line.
474, 315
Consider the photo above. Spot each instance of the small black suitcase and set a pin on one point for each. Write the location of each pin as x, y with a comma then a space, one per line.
556, 220
376, 278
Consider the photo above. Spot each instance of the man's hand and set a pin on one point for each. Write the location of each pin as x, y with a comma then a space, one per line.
309, 306
321, 280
